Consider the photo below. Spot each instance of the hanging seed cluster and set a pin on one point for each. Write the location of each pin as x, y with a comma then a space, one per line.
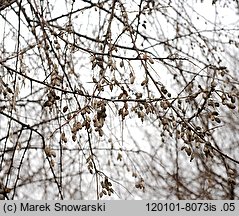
123, 112
142, 109
56, 80
106, 188
140, 184
229, 100
89, 162
87, 121
99, 117
63, 137
52, 97
51, 154
76, 127
231, 177
201, 103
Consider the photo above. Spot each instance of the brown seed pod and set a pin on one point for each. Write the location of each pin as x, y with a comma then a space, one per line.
122, 64
102, 184
213, 84
119, 157
215, 113
217, 120
101, 132
9, 90
78, 126
144, 82
231, 181
164, 90
192, 157
132, 79
47, 151
57, 97
104, 192
230, 172
188, 151
165, 104
47, 104
65, 108
138, 95
231, 105
52, 162
74, 137
137, 185
53, 153
68, 116
63, 137
150, 60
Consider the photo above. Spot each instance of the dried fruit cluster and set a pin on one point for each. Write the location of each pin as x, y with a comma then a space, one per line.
51, 154
52, 97
76, 127
123, 112
140, 184
231, 176
56, 79
99, 117
106, 188
90, 165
